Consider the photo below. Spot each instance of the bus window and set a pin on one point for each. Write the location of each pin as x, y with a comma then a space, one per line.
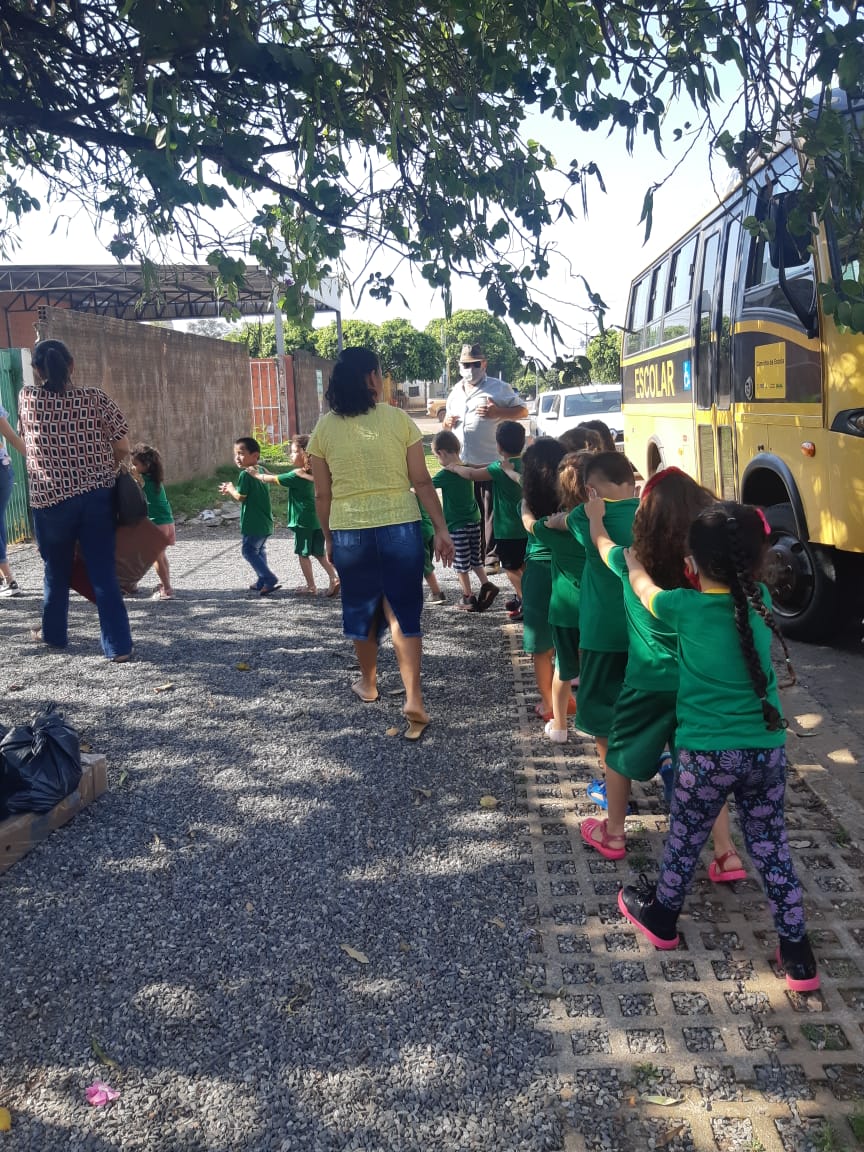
705, 360
727, 305
762, 287
636, 317
679, 291
655, 305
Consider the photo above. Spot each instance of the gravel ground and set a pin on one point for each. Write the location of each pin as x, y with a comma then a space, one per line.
189, 925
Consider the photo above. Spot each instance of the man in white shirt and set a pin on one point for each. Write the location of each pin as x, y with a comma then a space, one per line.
475, 407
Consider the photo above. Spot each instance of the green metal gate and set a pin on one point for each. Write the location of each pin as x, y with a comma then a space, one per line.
18, 511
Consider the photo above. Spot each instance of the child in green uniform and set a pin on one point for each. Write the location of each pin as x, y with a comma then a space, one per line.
540, 490
731, 733
427, 530
256, 515
510, 536
462, 513
567, 564
602, 624
645, 712
302, 518
148, 465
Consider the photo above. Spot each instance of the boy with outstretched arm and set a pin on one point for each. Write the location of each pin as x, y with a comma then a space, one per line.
256, 515
510, 535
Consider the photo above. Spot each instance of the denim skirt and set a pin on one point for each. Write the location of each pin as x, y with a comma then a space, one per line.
375, 564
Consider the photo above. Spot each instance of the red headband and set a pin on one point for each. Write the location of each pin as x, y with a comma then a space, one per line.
658, 476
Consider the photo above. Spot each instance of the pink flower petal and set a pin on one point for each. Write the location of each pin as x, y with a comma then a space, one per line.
99, 1093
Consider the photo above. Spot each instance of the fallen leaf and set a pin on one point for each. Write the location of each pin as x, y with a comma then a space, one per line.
101, 1055
396, 692
85, 747
169, 687
241, 667
391, 732
404, 946
15, 688
663, 1101
498, 922
427, 792
489, 802
5, 1120
124, 775
360, 957
250, 907
566, 1094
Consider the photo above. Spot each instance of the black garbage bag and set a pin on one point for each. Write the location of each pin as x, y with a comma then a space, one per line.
40, 763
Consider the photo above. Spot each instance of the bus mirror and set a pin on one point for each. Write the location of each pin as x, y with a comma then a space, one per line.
787, 249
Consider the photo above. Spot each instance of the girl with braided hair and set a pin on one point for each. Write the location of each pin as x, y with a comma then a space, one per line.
731, 733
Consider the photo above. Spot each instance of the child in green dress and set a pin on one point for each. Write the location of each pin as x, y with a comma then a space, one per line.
148, 465
302, 518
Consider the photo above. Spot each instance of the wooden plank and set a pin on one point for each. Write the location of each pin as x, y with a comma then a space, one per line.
18, 834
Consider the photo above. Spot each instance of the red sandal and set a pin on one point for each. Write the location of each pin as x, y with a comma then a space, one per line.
719, 875
604, 844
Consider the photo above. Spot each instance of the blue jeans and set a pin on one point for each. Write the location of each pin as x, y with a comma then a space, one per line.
6, 482
255, 553
87, 520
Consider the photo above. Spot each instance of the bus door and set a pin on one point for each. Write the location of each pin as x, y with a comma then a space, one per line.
706, 350
713, 414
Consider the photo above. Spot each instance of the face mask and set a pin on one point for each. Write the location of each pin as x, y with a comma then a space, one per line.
471, 375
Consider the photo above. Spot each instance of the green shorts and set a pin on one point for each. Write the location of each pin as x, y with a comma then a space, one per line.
566, 641
600, 679
644, 724
536, 594
428, 557
308, 542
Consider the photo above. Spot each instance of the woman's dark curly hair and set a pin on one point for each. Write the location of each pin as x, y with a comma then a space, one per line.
670, 504
581, 439
348, 392
728, 542
540, 463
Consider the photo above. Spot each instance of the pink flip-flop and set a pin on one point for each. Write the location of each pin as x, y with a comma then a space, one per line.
718, 875
604, 844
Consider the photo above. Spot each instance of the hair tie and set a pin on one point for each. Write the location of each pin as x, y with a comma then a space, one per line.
765, 523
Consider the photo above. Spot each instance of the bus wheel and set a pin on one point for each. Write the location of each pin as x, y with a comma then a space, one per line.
801, 578
442, 415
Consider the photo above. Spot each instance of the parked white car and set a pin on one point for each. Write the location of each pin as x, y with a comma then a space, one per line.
568, 407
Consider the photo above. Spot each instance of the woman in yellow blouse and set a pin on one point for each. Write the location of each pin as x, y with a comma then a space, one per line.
366, 457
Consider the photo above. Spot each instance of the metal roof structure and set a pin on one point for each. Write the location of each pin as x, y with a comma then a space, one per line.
181, 291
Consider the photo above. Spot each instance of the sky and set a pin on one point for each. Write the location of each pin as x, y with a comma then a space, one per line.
606, 248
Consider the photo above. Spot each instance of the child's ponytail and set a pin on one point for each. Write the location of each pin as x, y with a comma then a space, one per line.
744, 593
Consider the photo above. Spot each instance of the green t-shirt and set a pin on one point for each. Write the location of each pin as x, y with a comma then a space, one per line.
652, 660
256, 516
568, 561
718, 708
506, 501
460, 504
158, 508
602, 623
301, 501
427, 528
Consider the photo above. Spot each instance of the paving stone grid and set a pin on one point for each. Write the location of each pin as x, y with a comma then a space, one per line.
751, 1066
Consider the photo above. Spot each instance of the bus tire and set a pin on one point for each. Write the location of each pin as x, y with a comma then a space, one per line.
442, 415
802, 579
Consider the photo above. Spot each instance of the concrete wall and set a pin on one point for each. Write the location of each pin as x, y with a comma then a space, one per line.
309, 370
188, 396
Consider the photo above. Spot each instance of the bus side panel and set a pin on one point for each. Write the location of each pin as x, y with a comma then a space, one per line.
657, 436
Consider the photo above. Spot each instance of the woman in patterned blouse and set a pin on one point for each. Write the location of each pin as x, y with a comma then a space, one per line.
75, 437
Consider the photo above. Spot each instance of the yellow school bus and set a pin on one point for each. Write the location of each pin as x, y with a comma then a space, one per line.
731, 372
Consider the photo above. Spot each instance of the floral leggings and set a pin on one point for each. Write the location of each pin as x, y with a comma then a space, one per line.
757, 779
